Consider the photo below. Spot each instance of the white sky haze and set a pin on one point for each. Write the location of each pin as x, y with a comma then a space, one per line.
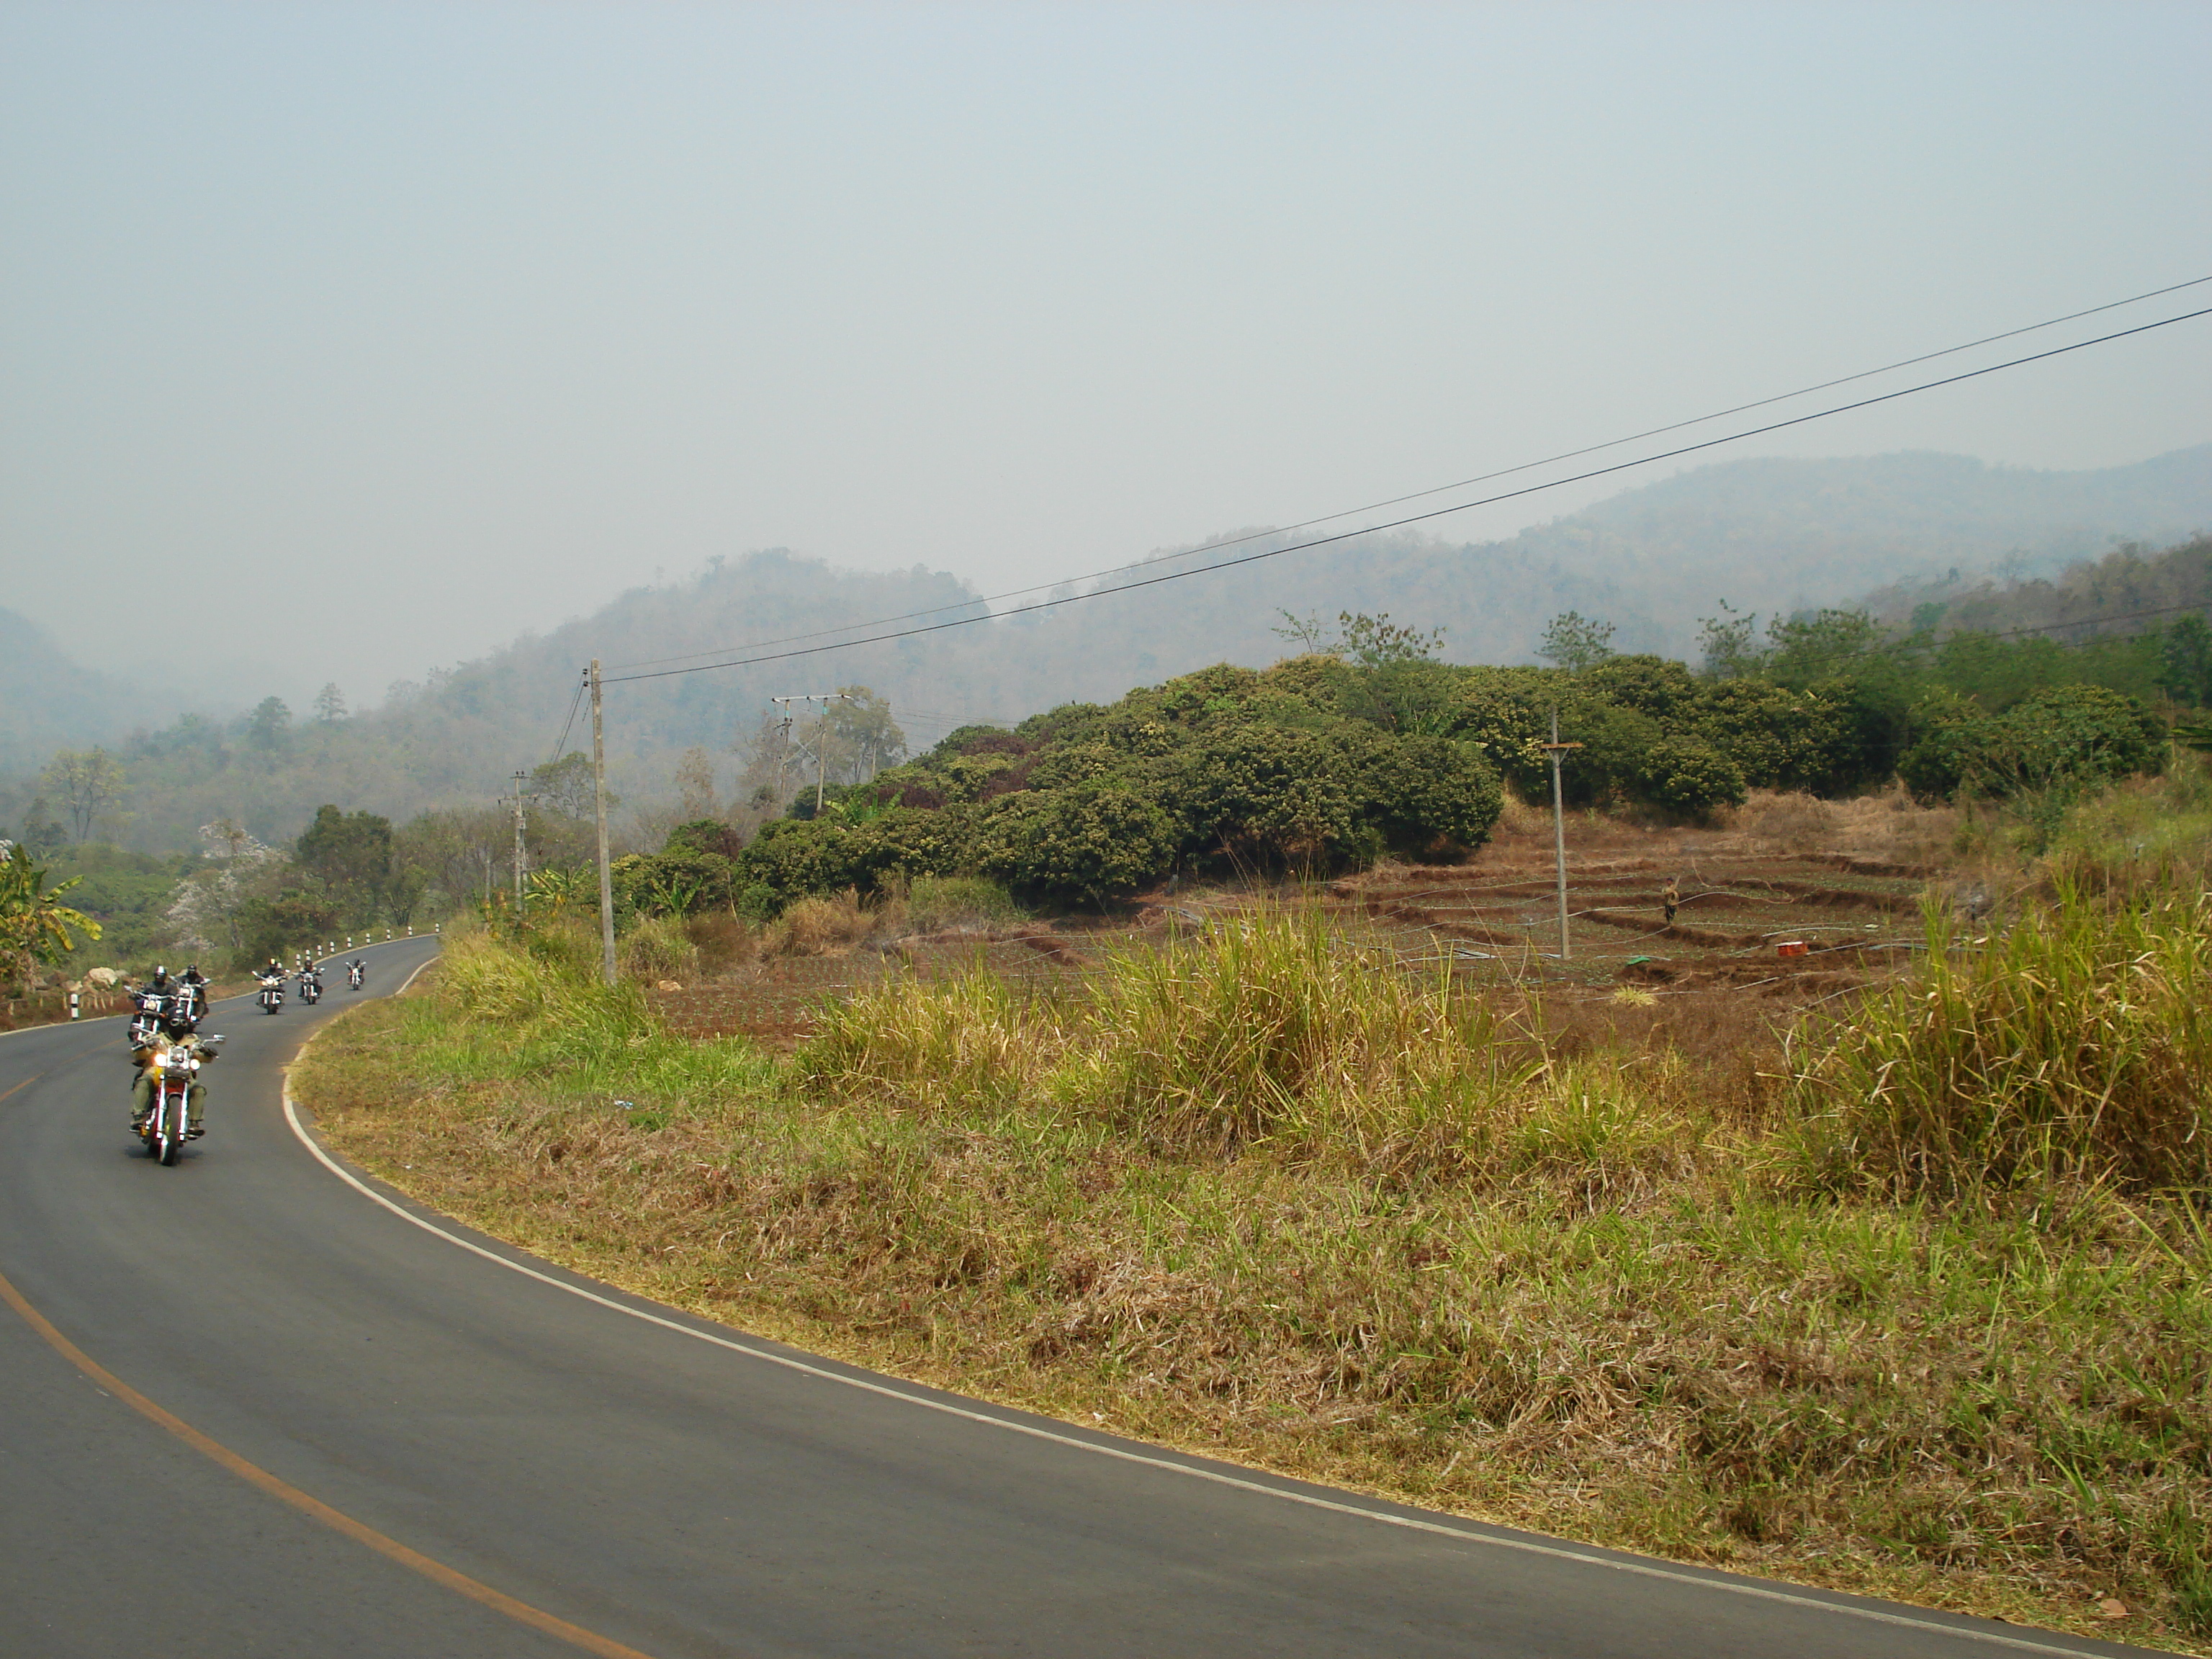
399, 330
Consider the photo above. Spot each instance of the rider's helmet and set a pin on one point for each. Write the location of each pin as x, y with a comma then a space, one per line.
192, 975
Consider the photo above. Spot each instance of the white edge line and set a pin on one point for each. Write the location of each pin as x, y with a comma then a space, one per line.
1638, 1569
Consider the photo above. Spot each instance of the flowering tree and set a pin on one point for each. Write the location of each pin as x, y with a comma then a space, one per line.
204, 910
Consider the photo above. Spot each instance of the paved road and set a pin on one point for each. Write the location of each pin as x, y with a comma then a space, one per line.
626, 1481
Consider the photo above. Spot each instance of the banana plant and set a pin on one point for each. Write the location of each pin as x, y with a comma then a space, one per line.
34, 925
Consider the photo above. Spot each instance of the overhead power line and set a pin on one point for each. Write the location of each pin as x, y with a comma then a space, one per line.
583, 683
1419, 518
1436, 489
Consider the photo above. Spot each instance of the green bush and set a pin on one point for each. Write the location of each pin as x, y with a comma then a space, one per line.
1077, 846
1689, 777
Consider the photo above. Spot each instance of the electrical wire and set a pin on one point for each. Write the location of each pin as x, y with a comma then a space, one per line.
1433, 513
1463, 483
575, 702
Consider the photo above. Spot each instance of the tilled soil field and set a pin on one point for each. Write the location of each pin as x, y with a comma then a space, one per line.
1787, 928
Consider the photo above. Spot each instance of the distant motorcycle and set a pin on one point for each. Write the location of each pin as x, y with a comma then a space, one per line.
355, 974
311, 987
147, 1018
272, 993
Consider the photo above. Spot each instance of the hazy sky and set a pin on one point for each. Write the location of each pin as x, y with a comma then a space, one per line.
390, 330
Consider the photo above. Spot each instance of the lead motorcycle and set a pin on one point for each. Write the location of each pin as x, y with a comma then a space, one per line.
174, 1066
356, 970
272, 997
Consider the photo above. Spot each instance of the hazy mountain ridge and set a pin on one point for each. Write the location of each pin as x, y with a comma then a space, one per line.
1765, 535
50, 702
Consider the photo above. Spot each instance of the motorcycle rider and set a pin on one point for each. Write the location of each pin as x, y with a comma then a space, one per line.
175, 1030
192, 987
356, 970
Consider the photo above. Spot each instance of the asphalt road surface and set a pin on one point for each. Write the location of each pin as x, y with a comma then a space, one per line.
250, 1409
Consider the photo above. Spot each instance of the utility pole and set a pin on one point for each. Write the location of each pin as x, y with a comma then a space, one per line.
599, 802
1558, 751
782, 754
521, 778
821, 740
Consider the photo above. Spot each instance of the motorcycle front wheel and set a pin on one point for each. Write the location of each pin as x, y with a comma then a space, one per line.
172, 1137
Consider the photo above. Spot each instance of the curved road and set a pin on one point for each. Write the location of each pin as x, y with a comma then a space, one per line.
366, 1438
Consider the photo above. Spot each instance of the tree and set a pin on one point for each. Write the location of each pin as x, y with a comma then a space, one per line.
34, 925
1828, 643
1575, 642
1308, 633
1728, 643
2186, 662
330, 704
40, 833
1377, 643
350, 854
209, 904
565, 786
86, 785
269, 725
694, 783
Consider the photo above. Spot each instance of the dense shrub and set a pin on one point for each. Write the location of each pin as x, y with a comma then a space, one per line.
2063, 738
1689, 777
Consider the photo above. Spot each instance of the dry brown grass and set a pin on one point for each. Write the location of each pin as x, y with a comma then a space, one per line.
818, 926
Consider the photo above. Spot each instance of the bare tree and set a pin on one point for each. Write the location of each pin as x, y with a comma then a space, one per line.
695, 785
86, 784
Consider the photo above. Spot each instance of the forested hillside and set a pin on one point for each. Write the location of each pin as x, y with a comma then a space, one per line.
1768, 537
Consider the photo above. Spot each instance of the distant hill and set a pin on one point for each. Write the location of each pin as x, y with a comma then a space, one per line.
47, 701
1766, 536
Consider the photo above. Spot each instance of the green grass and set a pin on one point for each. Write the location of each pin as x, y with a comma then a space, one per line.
2074, 1047
1262, 1197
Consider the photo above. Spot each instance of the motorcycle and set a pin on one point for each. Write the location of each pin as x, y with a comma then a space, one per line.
147, 1018
355, 974
311, 988
175, 1068
272, 993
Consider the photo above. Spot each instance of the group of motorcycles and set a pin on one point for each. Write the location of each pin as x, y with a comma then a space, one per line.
310, 978
169, 1051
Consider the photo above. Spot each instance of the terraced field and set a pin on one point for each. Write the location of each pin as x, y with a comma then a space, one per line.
1781, 928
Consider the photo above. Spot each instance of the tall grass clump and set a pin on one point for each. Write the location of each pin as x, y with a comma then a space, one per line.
2076, 1047
547, 975
658, 948
975, 1043
1271, 1028
2142, 836
934, 903
1269, 1033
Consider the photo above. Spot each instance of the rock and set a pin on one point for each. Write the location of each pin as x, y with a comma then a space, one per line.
668, 985
2111, 1608
103, 978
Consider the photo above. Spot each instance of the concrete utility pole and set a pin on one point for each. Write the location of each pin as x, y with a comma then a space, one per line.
1558, 751
599, 802
521, 778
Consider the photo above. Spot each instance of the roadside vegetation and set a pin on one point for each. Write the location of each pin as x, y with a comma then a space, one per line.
1906, 1295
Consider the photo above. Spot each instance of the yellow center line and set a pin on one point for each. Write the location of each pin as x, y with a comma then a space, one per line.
476, 1590
24, 1084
